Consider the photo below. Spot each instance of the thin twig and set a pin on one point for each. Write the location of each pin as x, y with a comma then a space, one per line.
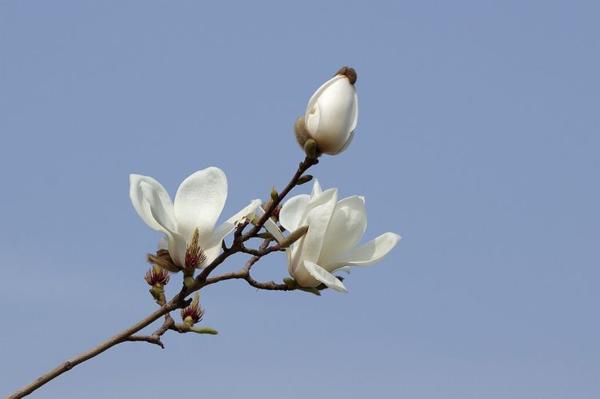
179, 301
303, 167
244, 273
156, 335
109, 343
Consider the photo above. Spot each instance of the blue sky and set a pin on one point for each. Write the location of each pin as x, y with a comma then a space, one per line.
477, 141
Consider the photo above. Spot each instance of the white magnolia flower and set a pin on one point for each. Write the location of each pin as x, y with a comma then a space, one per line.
332, 113
198, 203
334, 230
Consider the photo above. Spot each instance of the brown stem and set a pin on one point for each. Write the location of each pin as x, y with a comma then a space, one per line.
244, 273
178, 300
168, 324
82, 357
303, 167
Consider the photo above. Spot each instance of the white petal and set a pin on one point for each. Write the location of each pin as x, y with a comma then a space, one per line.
312, 118
146, 192
318, 219
313, 99
322, 275
200, 200
346, 228
320, 199
153, 204
369, 253
271, 226
316, 190
293, 211
354, 116
345, 146
177, 246
326, 197
226, 228
313, 113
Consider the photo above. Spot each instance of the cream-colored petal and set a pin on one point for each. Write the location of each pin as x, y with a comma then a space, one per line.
347, 226
367, 254
271, 226
316, 190
346, 145
323, 276
153, 204
354, 114
177, 246
315, 97
317, 219
200, 200
293, 211
145, 192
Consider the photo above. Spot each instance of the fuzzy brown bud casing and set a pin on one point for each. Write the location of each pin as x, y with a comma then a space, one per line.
163, 260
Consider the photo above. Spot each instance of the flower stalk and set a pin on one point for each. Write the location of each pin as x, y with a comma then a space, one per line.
192, 241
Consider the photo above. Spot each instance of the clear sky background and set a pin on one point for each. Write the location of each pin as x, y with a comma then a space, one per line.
478, 141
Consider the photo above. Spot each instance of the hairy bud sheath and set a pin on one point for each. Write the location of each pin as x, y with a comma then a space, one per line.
163, 260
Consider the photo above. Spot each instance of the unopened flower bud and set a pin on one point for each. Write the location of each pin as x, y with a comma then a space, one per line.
332, 113
157, 276
192, 313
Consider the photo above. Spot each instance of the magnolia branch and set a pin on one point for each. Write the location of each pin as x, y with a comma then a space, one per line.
179, 301
244, 273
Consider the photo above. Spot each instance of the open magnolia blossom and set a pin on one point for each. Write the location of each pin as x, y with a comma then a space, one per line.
334, 230
322, 236
198, 204
332, 113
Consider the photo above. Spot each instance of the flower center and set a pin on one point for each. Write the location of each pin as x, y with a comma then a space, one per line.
194, 254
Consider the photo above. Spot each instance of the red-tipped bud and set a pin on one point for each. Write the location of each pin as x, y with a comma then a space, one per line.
192, 313
157, 276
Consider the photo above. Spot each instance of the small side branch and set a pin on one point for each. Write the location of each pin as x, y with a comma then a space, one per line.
155, 337
274, 203
179, 300
244, 273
